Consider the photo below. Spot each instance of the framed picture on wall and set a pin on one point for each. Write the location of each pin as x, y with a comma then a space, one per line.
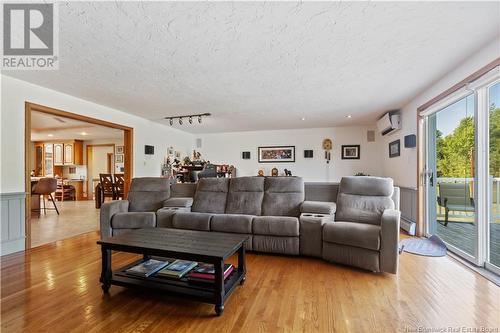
351, 152
170, 151
118, 158
273, 154
119, 150
395, 148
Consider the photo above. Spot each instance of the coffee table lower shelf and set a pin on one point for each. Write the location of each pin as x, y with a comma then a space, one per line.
201, 292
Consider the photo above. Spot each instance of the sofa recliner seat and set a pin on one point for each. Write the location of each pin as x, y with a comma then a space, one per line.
146, 196
365, 233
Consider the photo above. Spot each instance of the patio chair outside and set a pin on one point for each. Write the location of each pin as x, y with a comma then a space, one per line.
455, 197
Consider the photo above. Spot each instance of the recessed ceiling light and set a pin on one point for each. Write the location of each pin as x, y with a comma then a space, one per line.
348, 116
83, 133
303, 118
51, 135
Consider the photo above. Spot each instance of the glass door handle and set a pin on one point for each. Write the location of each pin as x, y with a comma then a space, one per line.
427, 174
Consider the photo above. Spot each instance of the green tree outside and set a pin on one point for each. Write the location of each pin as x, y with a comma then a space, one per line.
455, 152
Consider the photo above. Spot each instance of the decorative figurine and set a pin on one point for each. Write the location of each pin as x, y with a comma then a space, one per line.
288, 173
327, 146
274, 172
260, 173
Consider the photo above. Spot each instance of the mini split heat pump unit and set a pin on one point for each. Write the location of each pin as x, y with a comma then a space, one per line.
389, 123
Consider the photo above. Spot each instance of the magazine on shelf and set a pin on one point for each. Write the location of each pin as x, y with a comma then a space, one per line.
177, 269
206, 273
147, 268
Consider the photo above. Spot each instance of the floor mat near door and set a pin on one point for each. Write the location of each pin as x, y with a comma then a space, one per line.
430, 247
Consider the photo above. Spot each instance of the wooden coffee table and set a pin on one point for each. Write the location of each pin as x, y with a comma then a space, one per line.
209, 247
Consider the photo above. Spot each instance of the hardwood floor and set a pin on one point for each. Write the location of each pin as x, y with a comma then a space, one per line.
75, 218
55, 288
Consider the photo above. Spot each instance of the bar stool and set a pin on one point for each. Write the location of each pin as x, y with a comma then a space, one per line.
45, 186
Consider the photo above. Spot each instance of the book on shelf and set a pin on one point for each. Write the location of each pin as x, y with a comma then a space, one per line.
147, 268
177, 269
206, 273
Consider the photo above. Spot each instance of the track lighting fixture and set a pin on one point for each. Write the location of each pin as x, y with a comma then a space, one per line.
188, 116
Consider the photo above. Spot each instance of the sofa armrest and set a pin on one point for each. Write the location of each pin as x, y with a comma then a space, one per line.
185, 202
318, 207
108, 209
389, 241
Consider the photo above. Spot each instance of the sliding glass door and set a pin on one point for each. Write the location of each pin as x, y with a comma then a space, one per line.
462, 171
451, 169
493, 257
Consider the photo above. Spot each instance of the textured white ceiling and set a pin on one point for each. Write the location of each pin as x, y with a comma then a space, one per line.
262, 65
49, 127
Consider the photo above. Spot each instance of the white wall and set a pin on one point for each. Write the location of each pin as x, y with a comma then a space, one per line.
403, 169
226, 148
14, 93
115, 141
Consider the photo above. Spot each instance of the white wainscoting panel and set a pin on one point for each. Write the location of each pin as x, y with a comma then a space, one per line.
12, 212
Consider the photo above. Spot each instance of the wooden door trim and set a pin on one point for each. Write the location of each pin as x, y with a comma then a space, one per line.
420, 136
61, 113
128, 134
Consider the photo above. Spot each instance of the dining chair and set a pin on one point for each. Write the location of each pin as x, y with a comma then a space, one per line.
65, 191
107, 186
119, 183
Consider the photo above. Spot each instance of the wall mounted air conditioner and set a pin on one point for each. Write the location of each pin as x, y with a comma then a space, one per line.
389, 123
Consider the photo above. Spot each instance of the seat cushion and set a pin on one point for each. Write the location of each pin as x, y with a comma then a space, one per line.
245, 196
361, 235
211, 195
275, 225
133, 220
235, 223
283, 196
192, 221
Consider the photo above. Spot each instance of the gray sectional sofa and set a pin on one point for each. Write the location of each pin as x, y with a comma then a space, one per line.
355, 222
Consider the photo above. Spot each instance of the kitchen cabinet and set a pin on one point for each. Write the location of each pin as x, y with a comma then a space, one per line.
78, 184
73, 152
51, 156
38, 159
48, 167
68, 154
58, 154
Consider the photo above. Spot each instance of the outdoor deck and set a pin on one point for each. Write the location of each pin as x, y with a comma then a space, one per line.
462, 235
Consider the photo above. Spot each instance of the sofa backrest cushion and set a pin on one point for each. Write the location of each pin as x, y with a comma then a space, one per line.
363, 199
148, 194
245, 195
211, 195
283, 196
318, 191
183, 190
